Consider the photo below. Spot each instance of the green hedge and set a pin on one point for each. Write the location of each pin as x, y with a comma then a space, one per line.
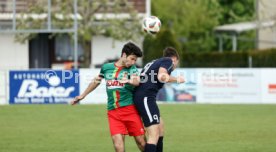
261, 58
264, 58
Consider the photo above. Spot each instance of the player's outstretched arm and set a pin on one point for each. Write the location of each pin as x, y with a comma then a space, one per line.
92, 86
179, 79
163, 76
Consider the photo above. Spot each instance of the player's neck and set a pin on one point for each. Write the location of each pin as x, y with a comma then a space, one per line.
119, 63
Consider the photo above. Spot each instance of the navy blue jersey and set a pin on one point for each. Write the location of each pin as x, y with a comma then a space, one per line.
150, 84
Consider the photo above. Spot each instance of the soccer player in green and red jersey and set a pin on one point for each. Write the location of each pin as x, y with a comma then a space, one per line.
121, 78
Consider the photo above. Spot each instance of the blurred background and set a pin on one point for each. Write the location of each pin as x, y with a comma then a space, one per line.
77, 35
52, 49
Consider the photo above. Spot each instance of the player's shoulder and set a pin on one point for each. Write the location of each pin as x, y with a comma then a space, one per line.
133, 67
108, 65
164, 60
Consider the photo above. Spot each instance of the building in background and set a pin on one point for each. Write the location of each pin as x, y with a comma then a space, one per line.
266, 11
42, 52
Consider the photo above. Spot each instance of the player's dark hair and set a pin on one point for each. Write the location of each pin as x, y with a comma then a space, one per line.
131, 49
170, 52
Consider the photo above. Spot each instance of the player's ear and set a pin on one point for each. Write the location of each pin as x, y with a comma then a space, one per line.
175, 62
124, 55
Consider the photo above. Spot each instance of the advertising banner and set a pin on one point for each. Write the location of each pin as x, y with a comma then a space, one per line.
43, 86
268, 85
219, 85
203, 85
229, 86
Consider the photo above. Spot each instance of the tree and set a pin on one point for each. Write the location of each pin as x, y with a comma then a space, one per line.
238, 11
153, 46
191, 20
119, 28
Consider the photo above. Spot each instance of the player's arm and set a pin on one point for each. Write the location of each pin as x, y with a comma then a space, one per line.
163, 76
92, 86
134, 80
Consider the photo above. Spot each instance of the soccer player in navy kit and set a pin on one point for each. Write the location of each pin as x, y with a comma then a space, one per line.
154, 75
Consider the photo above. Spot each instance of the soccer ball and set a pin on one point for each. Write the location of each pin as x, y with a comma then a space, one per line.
151, 24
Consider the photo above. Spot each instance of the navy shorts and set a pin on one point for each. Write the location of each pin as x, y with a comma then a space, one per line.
148, 109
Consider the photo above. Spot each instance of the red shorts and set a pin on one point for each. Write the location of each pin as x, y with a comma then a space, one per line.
126, 121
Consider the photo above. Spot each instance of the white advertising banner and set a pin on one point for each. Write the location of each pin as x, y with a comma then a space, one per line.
229, 85
96, 96
217, 85
268, 85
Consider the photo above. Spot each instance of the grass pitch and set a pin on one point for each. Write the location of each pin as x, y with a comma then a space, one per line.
189, 128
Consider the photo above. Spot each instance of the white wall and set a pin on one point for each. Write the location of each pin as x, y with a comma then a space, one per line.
105, 48
267, 35
267, 11
13, 55
4, 87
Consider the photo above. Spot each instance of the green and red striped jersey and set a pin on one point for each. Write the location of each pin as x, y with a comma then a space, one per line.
118, 94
